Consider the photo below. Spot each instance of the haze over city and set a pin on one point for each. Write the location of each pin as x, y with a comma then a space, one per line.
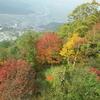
34, 14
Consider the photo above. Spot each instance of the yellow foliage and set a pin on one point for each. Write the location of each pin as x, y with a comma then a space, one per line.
68, 49
2, 63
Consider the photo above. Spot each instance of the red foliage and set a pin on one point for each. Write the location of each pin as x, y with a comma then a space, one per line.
48, 47
97, 72
17, 81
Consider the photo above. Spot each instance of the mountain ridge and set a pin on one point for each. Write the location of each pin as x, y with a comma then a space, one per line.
13, 7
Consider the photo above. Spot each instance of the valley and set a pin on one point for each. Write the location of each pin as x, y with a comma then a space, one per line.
44, 13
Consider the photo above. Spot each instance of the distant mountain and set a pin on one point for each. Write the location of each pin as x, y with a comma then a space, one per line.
51, 26
14, 7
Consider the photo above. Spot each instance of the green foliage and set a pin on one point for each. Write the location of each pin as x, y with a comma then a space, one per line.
57, 86
64, 29
5, 44
83, 85
70, 80
81, 20
26, 45
14, 52
84, 10
3, 53
3, 56
80, 26
83, 25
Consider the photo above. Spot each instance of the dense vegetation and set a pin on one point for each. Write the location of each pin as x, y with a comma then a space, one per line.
55, 66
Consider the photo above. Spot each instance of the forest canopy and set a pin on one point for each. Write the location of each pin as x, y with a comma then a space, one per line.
59, 65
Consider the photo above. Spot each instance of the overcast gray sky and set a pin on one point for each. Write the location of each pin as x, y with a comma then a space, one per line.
76, 2
73, 2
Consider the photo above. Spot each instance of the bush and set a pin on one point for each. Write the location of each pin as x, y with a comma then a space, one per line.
17, 81
83, 85
57, 83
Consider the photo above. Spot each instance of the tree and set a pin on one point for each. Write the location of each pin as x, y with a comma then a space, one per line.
72, 49
48, 48
85, 10
27, 46
81, 26
17, 81
3, 56
5, 44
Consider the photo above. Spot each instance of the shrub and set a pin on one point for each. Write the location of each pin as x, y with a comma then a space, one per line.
17, 81
97, 72
83, 85
56, 77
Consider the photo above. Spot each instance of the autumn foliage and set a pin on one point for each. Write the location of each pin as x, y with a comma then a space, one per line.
72, 49
50, 66
48, 47
97, 72
49, 78
17, 81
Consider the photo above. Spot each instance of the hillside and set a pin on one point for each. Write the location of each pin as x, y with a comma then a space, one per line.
51, 26
47, 65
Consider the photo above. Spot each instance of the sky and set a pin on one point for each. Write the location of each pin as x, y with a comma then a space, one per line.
65, 4
70, 3
75, 2
78, 2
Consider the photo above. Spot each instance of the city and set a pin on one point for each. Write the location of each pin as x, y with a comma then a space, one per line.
43, 15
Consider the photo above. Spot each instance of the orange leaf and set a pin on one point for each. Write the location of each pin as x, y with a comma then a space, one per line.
49, 78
